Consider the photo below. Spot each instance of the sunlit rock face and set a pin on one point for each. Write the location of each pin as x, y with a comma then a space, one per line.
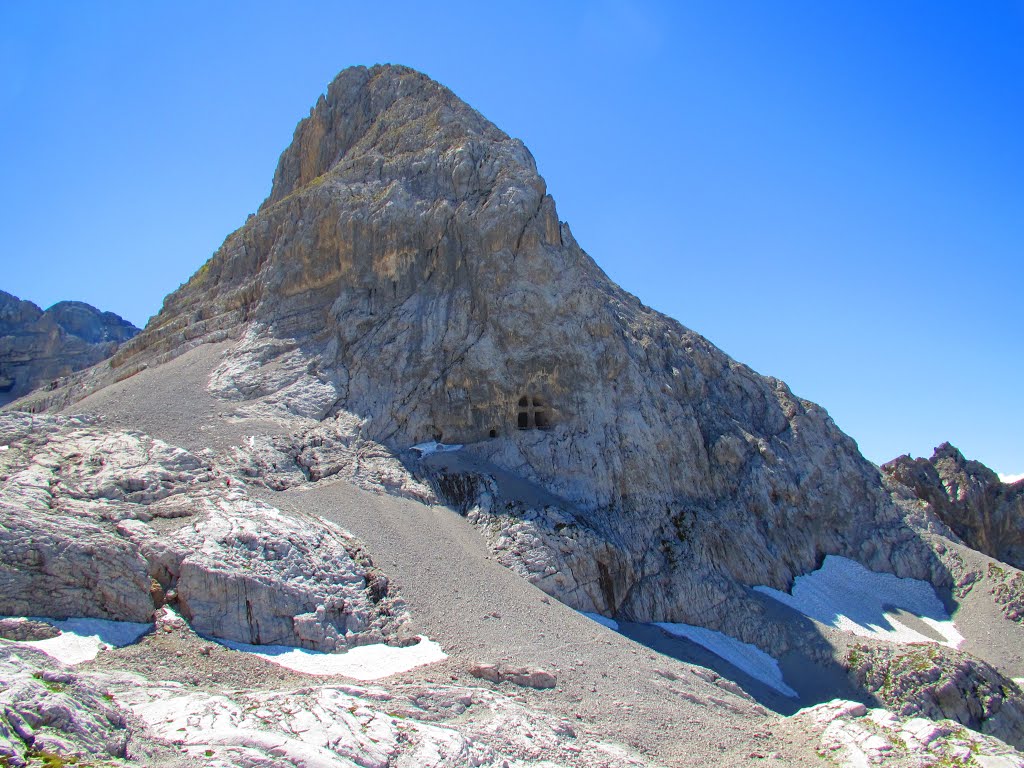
968, 497
113, 525
410, 270
37, 347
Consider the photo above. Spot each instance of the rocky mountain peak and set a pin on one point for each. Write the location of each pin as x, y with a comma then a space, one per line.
15, 312
371, 115
409, 280
37, 347
968, 497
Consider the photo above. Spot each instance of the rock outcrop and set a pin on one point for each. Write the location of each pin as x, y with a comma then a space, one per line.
38, 347
853, 736
409, 270
940, 684
968, 497
111, 525
47, 710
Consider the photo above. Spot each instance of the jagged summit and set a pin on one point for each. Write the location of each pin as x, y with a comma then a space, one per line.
386, 110
968, 497
37, 347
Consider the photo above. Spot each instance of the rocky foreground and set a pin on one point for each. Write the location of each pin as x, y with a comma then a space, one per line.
157, 528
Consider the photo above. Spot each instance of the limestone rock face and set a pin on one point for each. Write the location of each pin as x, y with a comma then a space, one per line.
111, 525
409, 271
852, 735
968, 497
940, 683
37, 347
52, 710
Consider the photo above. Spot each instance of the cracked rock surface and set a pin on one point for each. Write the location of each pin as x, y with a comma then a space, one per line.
110, 525
853, 736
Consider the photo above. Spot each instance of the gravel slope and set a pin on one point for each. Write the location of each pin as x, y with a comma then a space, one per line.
616, 689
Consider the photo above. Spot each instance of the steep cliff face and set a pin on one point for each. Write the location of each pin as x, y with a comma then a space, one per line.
968, 497
410, 268
37, 347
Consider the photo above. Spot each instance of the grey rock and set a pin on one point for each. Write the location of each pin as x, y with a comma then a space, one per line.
409, 273
987, 514
53, 712
26, 629
110, 524
37, 347
850, 736
940, 683
527, 677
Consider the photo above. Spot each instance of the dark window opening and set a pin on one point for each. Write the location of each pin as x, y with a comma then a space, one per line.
533, 413
493, 433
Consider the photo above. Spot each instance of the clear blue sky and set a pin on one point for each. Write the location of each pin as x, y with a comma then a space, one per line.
831, 192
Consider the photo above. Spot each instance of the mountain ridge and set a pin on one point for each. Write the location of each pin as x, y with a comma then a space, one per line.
37, 347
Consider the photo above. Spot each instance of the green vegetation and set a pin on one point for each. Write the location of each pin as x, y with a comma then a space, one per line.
50, 686
994, 571
853, 658
52, 759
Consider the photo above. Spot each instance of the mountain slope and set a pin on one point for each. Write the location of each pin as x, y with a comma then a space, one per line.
37, 347
968, 497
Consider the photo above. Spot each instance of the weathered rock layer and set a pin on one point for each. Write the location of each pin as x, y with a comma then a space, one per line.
112, 525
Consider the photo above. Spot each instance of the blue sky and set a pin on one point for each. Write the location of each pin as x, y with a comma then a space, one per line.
833, 193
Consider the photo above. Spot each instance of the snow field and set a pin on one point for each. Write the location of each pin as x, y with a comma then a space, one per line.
846, 595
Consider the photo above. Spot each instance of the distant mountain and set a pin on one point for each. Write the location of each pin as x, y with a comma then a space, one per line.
985, 512
37, 347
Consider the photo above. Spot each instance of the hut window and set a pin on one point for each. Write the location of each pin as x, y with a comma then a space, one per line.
533, 413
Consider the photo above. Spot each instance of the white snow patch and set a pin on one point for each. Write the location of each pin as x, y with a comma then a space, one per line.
751, 659
82, 639
604, 620
433, 446
364, 662
1008, 479
846, 595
